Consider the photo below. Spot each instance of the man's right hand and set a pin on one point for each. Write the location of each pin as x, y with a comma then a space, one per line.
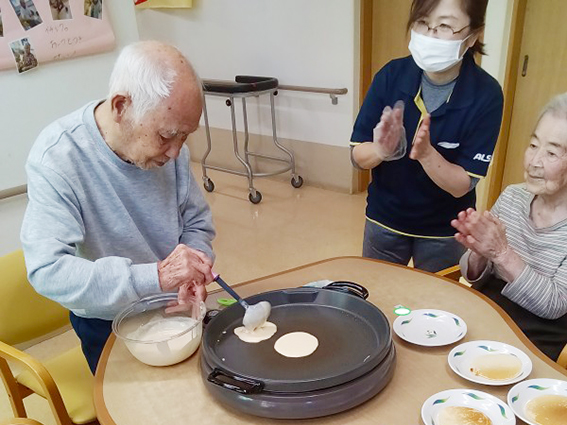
184, 266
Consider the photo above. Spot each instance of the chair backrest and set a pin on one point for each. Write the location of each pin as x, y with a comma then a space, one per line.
453, 273
20, 421
24, 314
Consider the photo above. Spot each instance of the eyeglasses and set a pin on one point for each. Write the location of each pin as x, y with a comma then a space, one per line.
442, 30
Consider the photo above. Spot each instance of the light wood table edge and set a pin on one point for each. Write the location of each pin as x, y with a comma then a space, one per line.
105, 418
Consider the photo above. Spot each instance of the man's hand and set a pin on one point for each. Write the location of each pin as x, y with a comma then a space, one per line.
186, 294
185, 266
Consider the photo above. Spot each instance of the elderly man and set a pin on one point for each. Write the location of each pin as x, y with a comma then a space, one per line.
114, 212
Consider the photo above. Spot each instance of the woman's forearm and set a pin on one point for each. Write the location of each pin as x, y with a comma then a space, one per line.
509, 265
366, 155
476, 265
450, 177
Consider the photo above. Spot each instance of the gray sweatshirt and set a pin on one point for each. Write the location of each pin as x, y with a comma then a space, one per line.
95, 225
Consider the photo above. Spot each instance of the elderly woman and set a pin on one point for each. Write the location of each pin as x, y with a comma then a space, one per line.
517, 253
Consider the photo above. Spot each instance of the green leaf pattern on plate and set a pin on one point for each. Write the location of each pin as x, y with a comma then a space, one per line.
503, 411
459, 353
537, 387
441, 400
515, 398
484, 347
457, 321
430, 315
472, 395
405, 322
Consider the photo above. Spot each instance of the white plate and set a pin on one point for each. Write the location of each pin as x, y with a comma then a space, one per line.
496, 410
462, 356
431, 328
521, 393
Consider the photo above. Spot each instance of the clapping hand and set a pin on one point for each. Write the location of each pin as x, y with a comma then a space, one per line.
389, 134
482, 233
422, 143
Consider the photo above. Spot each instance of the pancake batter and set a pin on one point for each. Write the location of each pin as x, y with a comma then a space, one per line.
296, 344
260, 333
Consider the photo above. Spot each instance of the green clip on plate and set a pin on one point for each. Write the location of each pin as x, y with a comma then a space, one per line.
401, 310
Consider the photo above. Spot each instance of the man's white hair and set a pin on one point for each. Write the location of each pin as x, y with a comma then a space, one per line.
144, 76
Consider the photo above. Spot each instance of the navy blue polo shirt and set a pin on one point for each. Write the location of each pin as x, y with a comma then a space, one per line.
464, 130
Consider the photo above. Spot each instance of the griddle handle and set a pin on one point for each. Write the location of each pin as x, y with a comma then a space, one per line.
348, 287
235, 383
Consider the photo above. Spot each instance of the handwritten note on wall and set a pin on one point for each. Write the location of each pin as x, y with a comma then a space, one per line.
33, 32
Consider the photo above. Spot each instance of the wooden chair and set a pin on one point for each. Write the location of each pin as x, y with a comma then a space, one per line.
20, 421
64, 381
454, 273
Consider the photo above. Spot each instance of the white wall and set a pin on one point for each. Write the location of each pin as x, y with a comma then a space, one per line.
306, 43
496, 37
30, 101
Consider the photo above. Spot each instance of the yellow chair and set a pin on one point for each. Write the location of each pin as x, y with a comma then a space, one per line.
20, 421
454, 273
64, 381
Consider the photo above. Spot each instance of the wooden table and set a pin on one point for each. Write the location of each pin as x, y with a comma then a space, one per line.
128, 392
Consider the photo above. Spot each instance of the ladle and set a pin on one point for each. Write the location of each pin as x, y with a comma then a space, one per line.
255, 315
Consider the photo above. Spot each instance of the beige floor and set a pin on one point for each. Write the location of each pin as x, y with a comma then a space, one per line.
289, 228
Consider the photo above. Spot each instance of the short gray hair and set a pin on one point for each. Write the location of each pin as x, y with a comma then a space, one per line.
557, 107
145, 76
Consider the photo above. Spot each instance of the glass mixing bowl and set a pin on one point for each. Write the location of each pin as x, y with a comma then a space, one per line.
158, 331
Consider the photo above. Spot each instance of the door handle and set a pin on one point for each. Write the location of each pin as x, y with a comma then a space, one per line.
525, 66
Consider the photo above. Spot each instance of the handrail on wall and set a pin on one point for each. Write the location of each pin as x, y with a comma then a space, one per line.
333, 93
14, 191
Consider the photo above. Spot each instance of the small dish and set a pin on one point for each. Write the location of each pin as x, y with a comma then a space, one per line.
465, 360
522, 393
496, 410
430, 328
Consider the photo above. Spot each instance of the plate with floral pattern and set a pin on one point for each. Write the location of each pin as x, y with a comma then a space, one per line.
533, 397
490, 362
430, 328
433, 411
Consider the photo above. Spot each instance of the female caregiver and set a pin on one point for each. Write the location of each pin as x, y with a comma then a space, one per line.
449, 111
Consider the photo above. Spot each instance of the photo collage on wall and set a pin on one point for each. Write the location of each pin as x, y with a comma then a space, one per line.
55, 26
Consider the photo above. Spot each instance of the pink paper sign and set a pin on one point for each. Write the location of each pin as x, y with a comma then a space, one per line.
33, 32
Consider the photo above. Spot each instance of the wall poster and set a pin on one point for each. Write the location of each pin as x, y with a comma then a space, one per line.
33, 32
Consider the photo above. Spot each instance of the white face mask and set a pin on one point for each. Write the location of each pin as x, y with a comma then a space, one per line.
433, 54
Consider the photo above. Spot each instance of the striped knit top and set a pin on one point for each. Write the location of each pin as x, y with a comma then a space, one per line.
541, 287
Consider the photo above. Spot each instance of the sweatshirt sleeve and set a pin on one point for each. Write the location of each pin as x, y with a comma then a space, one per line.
198, 230
51, 231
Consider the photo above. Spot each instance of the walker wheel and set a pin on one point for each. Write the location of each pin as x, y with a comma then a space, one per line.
209, 185
297, 181
255, 199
